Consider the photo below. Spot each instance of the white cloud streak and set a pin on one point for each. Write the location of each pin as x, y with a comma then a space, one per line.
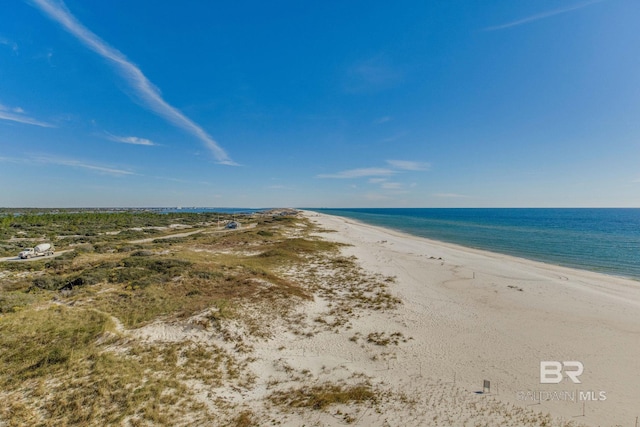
58, 161
134, 140
379, 174
82, 165
408, 165
391, 186
359, 173
143, 88
17, 115
9, 160
543, 15
44, 159
377, 180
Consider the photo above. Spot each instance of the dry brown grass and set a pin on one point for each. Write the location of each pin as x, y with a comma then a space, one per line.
321, 396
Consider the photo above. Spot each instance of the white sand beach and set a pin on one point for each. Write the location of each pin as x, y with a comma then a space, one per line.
473, 316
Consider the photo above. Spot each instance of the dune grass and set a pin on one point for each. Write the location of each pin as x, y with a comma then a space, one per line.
321, 396
64, 359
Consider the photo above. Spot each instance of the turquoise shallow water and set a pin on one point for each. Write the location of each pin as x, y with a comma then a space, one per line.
601, 240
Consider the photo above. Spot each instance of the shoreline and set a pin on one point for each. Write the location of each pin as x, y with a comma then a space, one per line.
463, 246
477, 315
565, 270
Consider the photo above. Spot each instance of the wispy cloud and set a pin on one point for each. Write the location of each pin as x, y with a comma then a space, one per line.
82, 165
4, 159
59, 161
11, 44
379, 174
131, 140
543, 15
359, 173
394, 137
382, 120
377, 180
391, 186
16, 114
409, 165
45, 159
47, 55
142, 87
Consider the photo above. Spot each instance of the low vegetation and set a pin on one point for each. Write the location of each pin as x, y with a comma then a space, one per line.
384, 339
69, 350
323, 395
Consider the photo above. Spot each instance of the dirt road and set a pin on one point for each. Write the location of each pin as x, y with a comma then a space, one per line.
17, 258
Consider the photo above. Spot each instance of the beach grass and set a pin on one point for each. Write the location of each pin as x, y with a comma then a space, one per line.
321, 396
67, 357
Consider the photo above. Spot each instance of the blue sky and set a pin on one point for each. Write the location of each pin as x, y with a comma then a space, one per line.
320, 104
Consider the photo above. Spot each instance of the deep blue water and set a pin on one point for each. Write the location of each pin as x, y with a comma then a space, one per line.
602, 240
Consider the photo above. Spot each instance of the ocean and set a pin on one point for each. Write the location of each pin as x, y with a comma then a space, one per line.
603, 240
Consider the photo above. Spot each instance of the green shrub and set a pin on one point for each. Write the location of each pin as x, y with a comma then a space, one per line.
129, 248
47, 282
61, 262
142, 253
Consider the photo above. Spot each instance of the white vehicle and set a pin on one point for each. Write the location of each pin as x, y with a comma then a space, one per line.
43, 249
